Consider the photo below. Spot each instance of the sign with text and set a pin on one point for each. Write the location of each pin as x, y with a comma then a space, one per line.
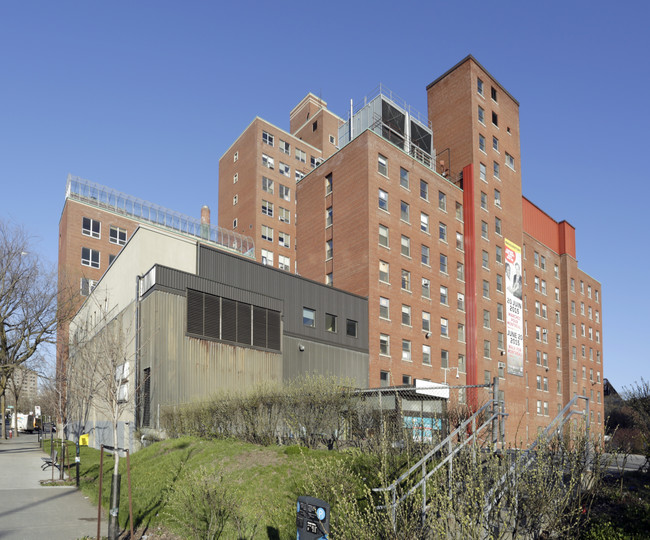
514, 311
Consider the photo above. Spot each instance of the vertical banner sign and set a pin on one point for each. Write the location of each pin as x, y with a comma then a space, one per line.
514, 311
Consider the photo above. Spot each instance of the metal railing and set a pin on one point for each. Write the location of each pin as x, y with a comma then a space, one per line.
495, 412
382, 90
117, 202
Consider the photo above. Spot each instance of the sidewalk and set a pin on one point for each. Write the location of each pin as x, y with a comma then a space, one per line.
30, 511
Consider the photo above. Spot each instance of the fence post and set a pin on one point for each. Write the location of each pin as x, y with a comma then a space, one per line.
495, 411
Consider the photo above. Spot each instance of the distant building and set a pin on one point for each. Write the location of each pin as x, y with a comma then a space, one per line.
26, 381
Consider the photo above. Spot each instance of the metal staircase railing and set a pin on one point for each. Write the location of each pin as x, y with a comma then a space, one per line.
494, 411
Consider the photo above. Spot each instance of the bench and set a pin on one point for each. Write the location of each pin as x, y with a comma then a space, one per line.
50, 461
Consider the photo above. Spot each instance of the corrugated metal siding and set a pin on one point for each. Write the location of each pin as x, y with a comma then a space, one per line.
319, 358
185, 369
295, 293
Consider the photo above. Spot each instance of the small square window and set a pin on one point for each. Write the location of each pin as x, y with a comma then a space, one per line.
90, 257
117, 235
351, 328
91, 227
330, 322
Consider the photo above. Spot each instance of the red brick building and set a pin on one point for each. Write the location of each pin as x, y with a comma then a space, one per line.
424, 215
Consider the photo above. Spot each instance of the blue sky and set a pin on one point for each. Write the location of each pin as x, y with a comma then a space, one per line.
146, 96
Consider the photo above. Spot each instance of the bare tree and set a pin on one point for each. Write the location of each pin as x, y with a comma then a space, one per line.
28, 317
100, 372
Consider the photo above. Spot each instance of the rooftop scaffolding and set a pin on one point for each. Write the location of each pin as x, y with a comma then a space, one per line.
122, 204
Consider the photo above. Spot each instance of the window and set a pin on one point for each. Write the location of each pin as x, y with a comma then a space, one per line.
482, 172
117, 235
424, 222
487, 377
301, 155
328, 185
481, 115
499, 255
234, 223
314, 161
460, 301
384, 307
442, 201
328, 249
589, 291
497, 226
285, 147
485, 260
496, 170
329, 217
299, 175
267, 233
284, 263
382, 165
510, 161
90, 257
460, 271
235, 178
268, 161
484, 230
484, 201
424, 190
573, 285
406, 379
461, 332
406, 350
267, 185
267, 257
235, 200
573, 307
383, 234
424, 255
481, 143
351, 328
461, 363
91, 227
284, 169
404, 211
497, 198
486, 319
332, 139
235, 157
384, 272
444, 327
426, 288
443, 263
406, 280
501, 370
285, 193
459, 211
500, 312
426, 355
495, 119
267, 138
87, 286
486, 289
383, 200
495, 143
384, 378
444, 295
499, 283
405, 246
479, 86
459, 241
384, 344
284, 239
486, 348
403, 178
330, 322
426, 321
285, 215
444, 358
309, 317
442, 232
493, 93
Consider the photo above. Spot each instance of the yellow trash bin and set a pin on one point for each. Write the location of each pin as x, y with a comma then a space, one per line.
83, 440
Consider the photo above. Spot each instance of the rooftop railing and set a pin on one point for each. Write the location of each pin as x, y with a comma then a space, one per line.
120, 203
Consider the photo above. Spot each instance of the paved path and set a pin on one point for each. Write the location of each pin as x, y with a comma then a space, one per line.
30, 511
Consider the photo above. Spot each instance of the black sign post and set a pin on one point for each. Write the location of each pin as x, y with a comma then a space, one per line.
312, 519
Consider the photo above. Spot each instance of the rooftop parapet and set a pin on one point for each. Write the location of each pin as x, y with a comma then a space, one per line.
103, 197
